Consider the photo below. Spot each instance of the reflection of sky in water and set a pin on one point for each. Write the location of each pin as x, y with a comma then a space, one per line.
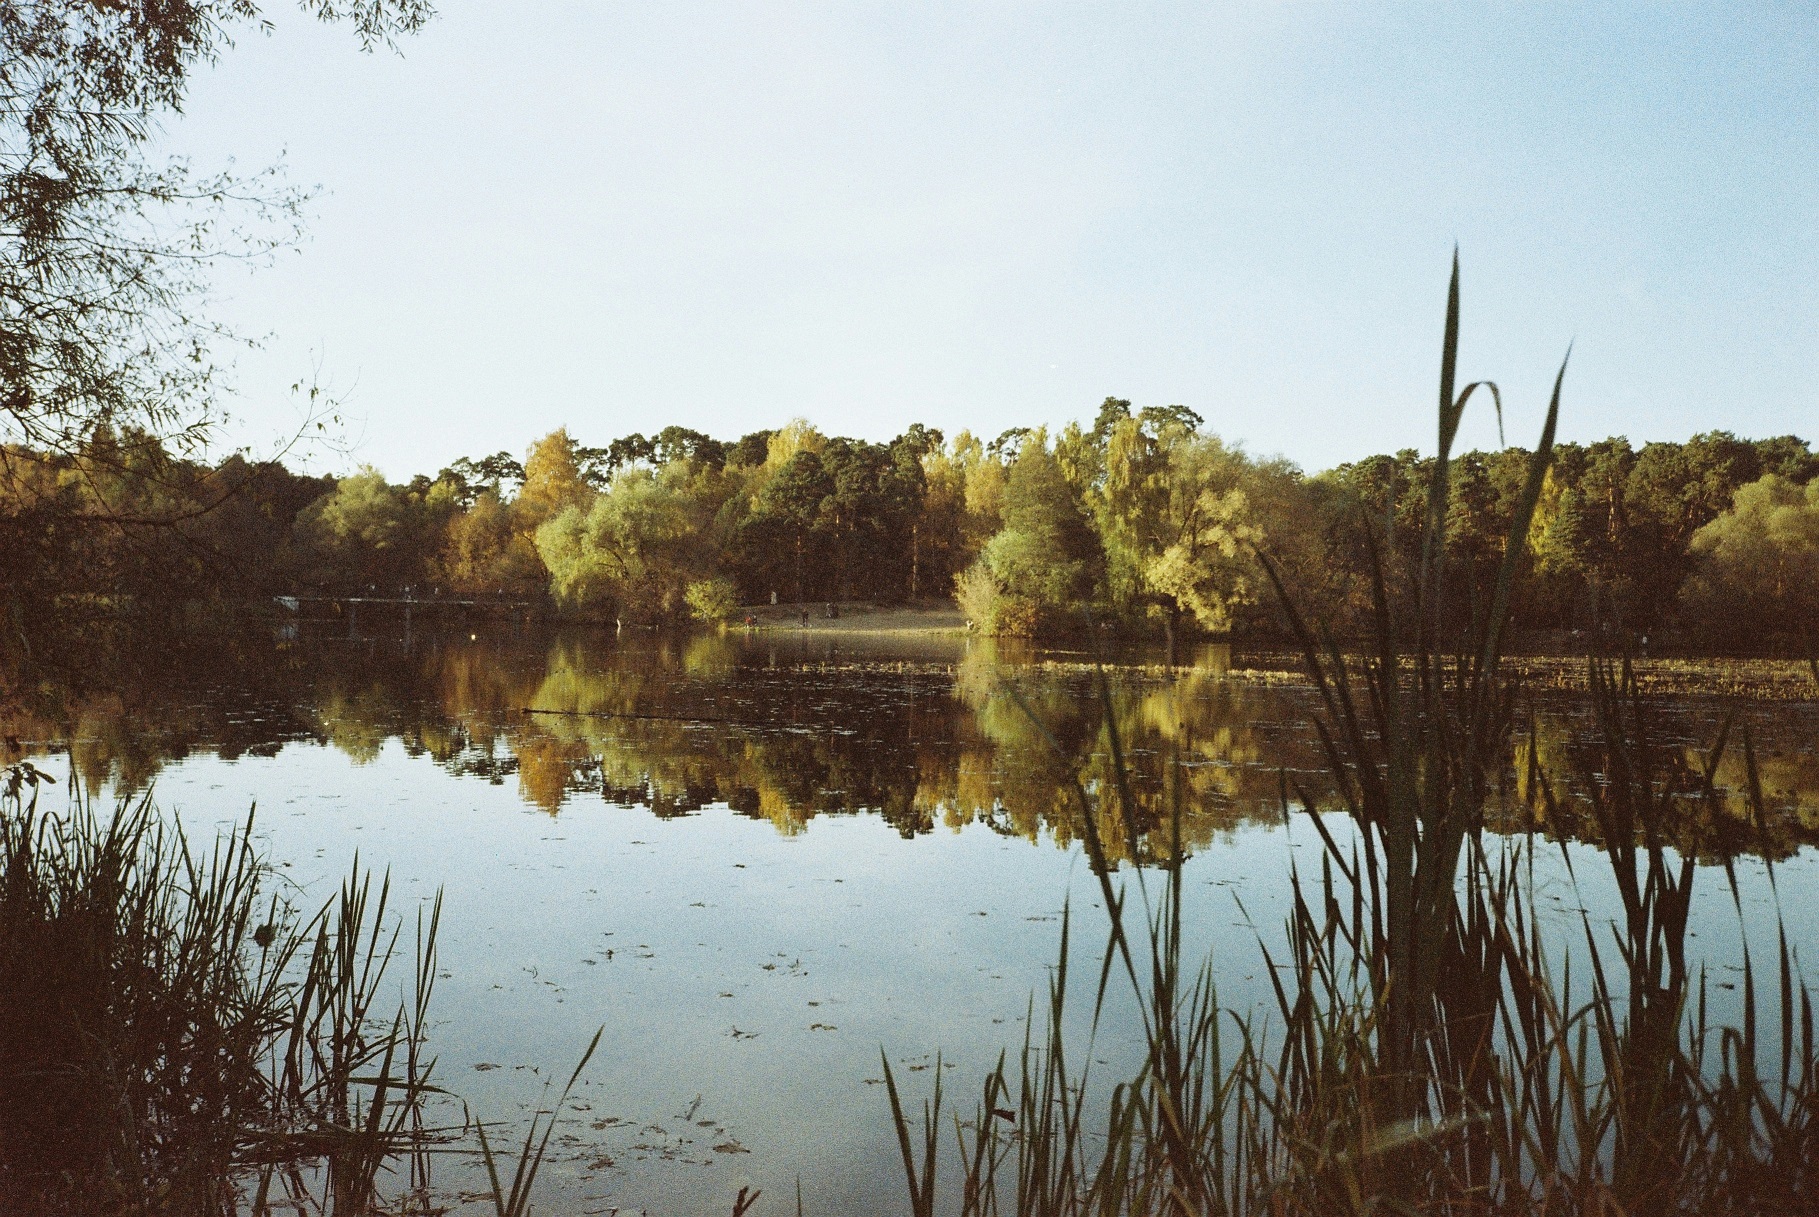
764, 947
759, 971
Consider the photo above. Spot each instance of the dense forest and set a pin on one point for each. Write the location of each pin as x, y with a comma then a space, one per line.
1146, 522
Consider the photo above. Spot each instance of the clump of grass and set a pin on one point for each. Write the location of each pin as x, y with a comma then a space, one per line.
351, 1079
174, 1040
131, 1027
1426, 1052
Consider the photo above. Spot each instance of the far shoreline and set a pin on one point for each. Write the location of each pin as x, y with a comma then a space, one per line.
1550, 670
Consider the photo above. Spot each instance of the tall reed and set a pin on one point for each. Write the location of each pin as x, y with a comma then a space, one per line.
1425, 1052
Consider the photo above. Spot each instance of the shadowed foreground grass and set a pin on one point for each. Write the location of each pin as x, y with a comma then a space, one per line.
175, 1038
1430, 1049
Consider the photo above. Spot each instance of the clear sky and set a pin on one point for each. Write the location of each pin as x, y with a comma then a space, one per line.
618, 216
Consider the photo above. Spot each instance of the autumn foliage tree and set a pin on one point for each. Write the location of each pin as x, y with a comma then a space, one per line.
634, 552
1756, 566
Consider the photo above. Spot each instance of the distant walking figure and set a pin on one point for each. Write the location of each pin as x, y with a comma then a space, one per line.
805, 616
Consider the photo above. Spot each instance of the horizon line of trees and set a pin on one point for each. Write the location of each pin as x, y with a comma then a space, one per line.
1146, 522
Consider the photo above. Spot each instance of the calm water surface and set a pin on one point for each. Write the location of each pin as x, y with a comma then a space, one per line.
758, 861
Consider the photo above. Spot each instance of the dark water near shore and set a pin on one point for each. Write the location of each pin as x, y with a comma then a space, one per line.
757, 860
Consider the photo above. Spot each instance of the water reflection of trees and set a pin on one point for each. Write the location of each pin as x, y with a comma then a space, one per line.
961, 734
1565, 748
153, 704
918, 746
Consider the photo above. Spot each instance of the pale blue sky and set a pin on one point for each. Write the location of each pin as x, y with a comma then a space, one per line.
618, 216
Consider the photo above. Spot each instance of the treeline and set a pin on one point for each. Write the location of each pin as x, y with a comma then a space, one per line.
1144, 522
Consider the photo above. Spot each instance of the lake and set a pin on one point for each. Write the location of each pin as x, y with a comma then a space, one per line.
759, 860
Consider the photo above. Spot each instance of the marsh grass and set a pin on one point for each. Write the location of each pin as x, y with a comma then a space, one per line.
1434, 1044
175, 1039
